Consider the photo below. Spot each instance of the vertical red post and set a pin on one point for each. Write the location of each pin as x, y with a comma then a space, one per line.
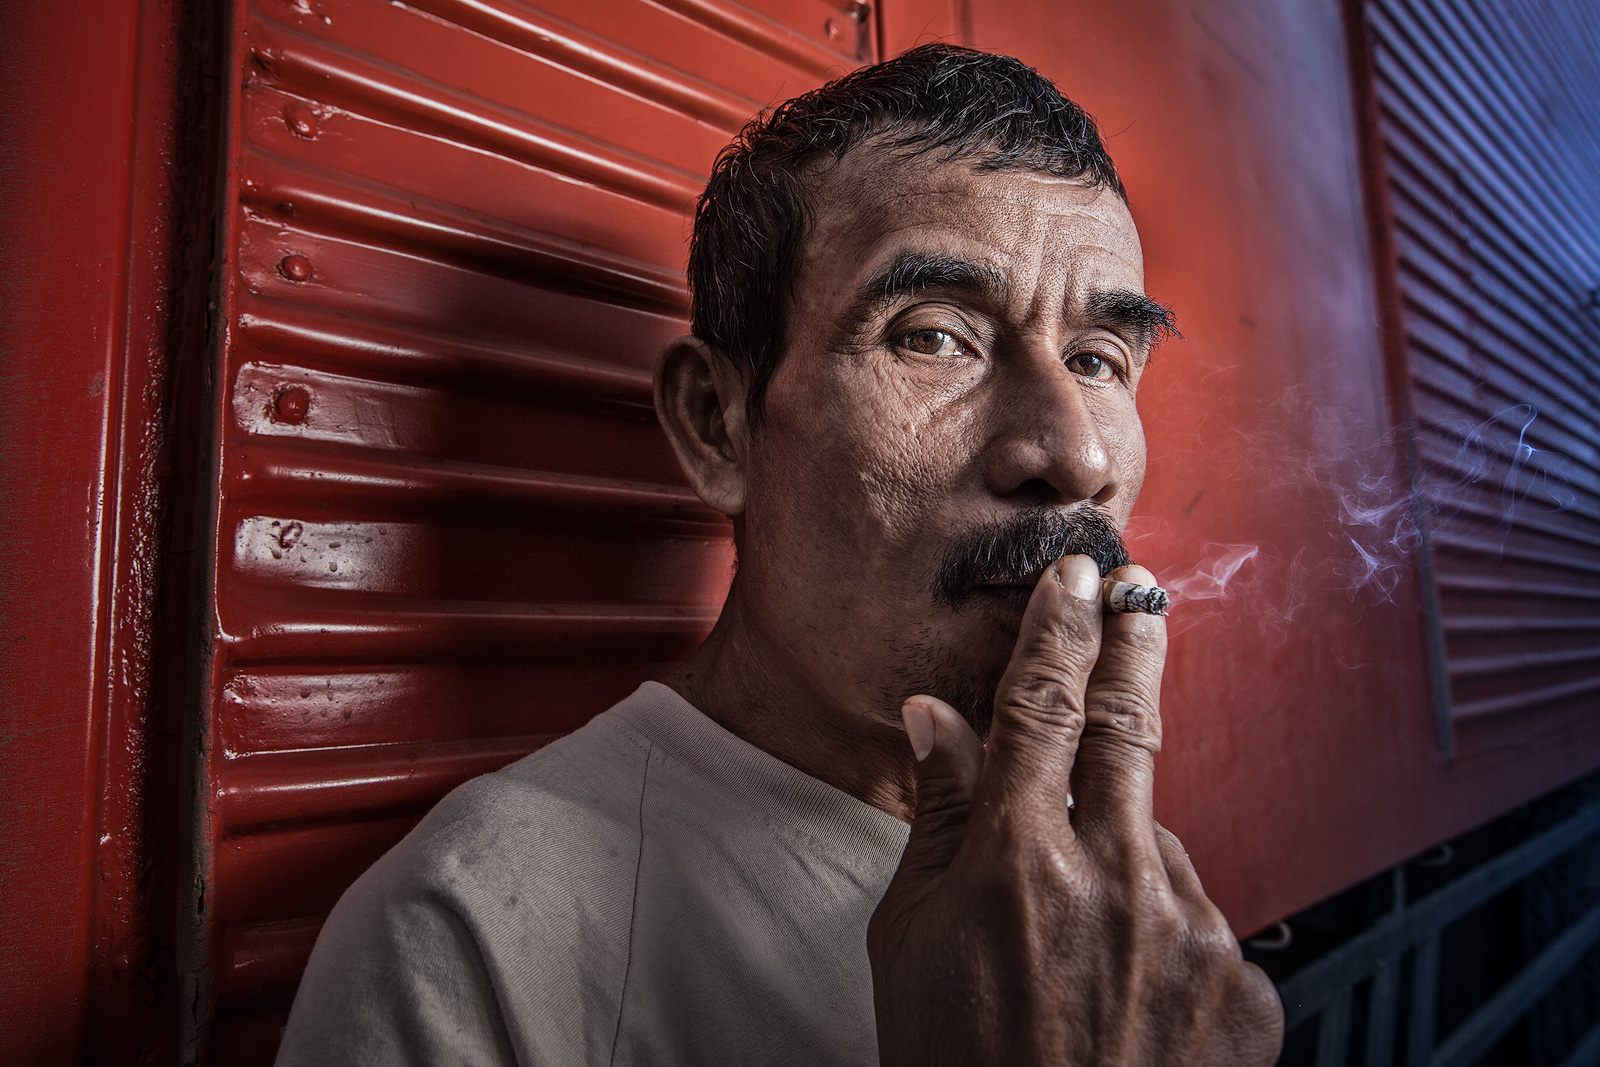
104, 303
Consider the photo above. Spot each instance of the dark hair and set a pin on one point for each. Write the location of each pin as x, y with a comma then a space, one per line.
752, 220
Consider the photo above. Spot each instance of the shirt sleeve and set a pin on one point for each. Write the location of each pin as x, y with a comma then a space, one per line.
395, 979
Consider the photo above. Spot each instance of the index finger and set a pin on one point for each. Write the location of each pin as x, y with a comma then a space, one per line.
1039, 706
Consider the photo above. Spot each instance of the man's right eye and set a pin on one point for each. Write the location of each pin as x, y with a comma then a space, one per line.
933, 343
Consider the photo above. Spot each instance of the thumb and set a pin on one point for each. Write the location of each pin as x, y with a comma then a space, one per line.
949, 762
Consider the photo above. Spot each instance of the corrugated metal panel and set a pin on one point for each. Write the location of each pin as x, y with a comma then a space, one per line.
1492, 146
447, 528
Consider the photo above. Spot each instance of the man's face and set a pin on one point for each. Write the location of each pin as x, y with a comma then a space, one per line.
964, 349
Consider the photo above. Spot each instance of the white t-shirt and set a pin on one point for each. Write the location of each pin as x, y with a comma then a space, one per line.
648, 890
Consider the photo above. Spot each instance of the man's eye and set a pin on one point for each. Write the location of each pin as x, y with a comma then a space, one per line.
1093, 365
933, 343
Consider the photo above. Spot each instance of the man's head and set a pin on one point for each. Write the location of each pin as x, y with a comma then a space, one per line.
936, 103
919, 324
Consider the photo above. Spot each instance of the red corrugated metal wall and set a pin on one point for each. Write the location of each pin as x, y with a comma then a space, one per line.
443, 527
448, 528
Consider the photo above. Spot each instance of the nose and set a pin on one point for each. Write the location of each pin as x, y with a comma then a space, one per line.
1051, 444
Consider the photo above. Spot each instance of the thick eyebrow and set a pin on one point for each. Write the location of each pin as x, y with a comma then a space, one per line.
913, 272
1136, 317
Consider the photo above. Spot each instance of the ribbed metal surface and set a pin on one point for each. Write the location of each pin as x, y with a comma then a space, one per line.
1492, 139
448, 528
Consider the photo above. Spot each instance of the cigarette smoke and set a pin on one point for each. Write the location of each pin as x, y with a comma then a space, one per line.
1473, 480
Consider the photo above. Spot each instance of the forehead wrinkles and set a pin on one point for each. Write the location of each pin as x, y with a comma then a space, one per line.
1043, 233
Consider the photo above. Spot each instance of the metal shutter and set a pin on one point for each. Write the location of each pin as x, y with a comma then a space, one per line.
447, 528
1490, 136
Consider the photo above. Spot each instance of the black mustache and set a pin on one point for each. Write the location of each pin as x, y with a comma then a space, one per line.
1014, 550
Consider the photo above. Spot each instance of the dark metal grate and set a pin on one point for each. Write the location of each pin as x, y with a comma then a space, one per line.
1484, 952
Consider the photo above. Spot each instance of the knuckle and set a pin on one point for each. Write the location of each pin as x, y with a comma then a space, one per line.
1214, 941
940, 792
941, 820
1127, 717
1042, 698
1260, 993
1253, 1015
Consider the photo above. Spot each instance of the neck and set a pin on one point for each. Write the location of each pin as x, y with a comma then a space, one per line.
769, 692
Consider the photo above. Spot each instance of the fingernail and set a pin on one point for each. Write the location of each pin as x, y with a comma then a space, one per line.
1079, 576
1135, 574
918, 720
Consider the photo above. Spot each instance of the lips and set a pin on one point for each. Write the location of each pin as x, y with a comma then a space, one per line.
1012, 595
1024, 584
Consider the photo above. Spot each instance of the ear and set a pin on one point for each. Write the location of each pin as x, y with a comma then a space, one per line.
700, 402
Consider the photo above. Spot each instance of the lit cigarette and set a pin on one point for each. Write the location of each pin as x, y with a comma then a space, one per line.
1125, 597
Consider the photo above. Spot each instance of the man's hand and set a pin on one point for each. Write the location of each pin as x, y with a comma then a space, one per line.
1014, 934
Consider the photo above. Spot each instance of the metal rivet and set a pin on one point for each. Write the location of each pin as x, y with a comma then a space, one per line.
831, 28
296, 268
301, 120
290, 405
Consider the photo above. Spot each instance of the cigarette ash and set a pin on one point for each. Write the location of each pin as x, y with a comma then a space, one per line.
1129, 598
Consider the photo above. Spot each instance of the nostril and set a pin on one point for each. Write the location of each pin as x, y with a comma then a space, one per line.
1106, 495
1037, 491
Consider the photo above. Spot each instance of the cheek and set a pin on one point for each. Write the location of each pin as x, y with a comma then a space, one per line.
906, 451
871, 455
1124, 438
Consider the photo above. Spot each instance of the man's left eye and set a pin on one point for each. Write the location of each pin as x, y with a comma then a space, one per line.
1093, 365
932, 343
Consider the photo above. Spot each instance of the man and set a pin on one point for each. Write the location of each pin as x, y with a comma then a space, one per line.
919, 325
